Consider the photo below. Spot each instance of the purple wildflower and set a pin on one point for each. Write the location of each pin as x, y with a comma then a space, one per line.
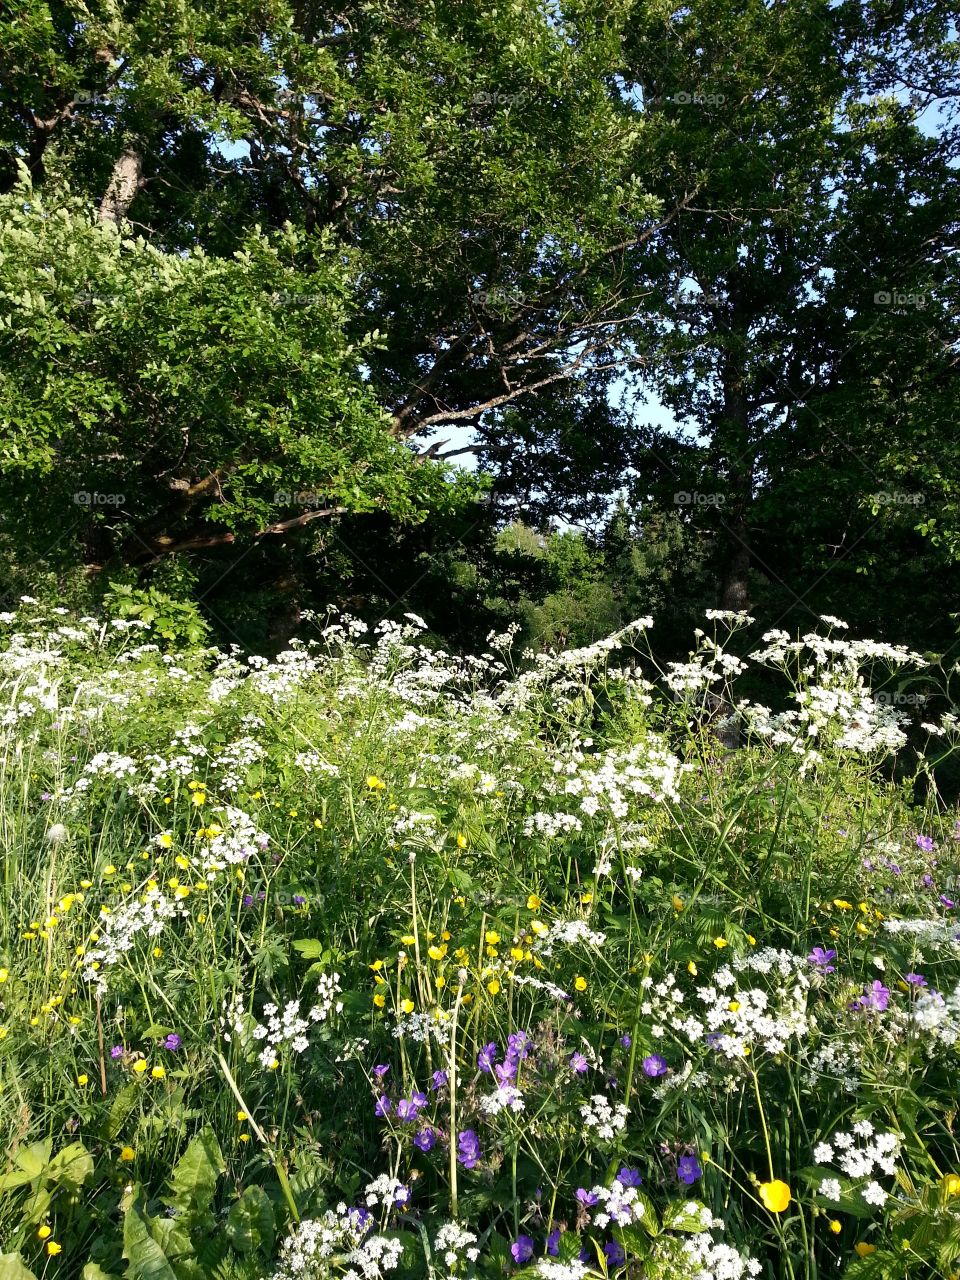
407, 1109
381, 1069
876, 996
821, 957
629, 1177
916, 979
522, 1249
553, 1243
615, 1254
383, 1106
438, 1080
116, 1052
586, 1197
486, 1056
654, 1065
172, 1042
689, 1170
298, 899
425, 1139
626, 1040
925, 843
947, 902
578, 1064
468, 1148
505, 1072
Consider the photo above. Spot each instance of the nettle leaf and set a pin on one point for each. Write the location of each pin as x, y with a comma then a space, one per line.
684, 1215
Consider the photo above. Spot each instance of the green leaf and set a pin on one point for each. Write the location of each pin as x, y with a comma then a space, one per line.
250, 1222
145, 1257
195, 1177
12, 1267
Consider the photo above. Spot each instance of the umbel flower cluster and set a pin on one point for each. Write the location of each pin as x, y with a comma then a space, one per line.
368, 960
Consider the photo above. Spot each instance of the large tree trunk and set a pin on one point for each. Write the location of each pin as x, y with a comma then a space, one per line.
735, 455
125, 181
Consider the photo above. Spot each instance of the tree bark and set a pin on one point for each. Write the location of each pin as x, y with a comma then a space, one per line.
736, 456
125, 181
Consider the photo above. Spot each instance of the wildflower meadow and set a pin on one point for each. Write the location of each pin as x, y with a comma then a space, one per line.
371, 960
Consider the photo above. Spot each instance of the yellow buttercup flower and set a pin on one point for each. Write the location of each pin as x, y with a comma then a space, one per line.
379, 1001
375, 783
951, 1184
533, 903
408, 940
692, 969
44, 1232
140, 1066
494, 986
842, 905
4, 975
676, 902
462, 841
836, 1226
491, 937
580, 983
53, 1248
775, 1195
83, 1079
863, 1249
127, 1154
407, 1006
720, 943
159, 1073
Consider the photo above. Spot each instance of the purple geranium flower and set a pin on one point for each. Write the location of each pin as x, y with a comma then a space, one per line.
654, 1065
947, 902
425, 1139
876, 996
468, 1148
629, 1177
116, 1051
689, 1170
381, 1069
821, 957
626, 1040
916, 979
578, 1063
505, 1072
487, 1056
925, 843
522, 1249
407, 1109
172, 1042
586, 1197
438, 1080
383, 1106
553, 1243
615, 1254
